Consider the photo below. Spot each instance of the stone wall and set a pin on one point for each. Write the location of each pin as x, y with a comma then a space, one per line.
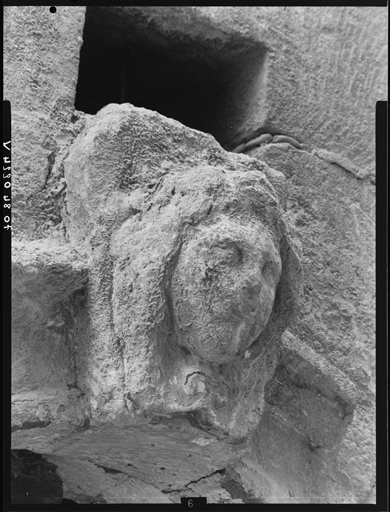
296, 122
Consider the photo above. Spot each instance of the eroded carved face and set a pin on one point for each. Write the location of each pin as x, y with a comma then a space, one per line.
223, 288
200, 268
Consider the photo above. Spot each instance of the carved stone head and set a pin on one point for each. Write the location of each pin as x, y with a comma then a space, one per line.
204, 281
196, 272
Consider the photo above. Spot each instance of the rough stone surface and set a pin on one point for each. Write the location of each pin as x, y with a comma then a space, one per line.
162, 342
40, 83
337, 317
333, 209
126, 464
48, 287
200, 265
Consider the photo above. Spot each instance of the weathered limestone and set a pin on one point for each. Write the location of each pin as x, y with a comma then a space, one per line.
41, 58
129, 464
48, 287
204, 271
333, 210
157, 280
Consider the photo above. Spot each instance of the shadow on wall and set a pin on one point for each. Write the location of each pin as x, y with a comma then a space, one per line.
200, 82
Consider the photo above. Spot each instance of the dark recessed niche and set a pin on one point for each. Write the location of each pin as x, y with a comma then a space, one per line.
207, 84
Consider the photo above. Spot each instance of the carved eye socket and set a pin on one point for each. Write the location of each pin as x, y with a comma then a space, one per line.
227, 253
